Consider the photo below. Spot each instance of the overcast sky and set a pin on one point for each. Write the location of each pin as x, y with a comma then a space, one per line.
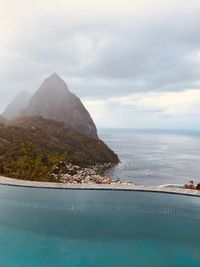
134, 63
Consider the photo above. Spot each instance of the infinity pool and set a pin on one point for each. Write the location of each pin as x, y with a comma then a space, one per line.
97, 228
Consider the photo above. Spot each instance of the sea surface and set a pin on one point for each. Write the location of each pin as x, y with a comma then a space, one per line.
154, 156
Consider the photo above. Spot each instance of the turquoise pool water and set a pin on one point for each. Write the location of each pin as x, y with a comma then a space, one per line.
53, 227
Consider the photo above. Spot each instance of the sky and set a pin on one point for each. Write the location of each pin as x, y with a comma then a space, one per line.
133, 63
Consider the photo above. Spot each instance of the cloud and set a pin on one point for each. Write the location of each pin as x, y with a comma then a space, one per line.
147, 109
104, 49
168, 103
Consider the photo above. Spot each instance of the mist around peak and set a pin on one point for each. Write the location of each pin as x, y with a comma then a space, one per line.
16, 106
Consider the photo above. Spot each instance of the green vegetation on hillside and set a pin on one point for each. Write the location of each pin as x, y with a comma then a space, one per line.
30, 148
30, 163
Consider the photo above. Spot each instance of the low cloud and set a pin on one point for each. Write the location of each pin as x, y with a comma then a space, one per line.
153, 109
167, 103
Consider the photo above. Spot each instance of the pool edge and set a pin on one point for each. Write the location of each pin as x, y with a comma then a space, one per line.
112, 187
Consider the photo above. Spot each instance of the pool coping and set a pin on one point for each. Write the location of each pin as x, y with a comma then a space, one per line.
113, 187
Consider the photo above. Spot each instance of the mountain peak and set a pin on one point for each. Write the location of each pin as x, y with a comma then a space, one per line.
17, 105
54, 76
54, 84
54, 101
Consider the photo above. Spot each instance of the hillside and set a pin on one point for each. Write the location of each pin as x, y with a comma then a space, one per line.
31, 147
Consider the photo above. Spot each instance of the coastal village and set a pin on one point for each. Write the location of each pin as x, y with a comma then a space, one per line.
74, 174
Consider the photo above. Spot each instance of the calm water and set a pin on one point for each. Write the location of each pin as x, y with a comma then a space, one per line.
67, 228
155, 157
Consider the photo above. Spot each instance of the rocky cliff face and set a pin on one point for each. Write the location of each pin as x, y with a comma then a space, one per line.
17, 105
54, 101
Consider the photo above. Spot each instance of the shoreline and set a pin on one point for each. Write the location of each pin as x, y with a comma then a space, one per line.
90, 186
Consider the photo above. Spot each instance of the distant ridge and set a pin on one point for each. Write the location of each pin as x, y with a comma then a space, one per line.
54, 101
17, 105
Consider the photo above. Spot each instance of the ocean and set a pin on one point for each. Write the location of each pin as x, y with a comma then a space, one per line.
154, 156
